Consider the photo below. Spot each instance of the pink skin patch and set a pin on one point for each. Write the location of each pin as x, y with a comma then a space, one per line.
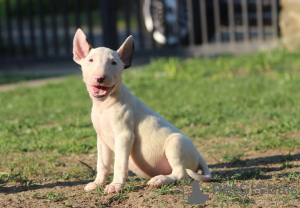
98, 91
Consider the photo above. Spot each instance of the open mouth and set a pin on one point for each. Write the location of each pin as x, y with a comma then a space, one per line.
101, 91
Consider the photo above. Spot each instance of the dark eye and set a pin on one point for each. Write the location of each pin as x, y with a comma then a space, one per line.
91, 60
114, 63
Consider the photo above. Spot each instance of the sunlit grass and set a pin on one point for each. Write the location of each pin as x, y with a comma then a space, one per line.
255, 96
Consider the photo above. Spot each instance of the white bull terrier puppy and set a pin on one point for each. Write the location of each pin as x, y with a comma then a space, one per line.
142, 141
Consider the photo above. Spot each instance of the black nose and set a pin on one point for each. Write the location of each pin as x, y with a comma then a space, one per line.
101, 79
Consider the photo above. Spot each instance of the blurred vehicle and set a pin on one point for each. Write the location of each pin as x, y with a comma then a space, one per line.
166, 21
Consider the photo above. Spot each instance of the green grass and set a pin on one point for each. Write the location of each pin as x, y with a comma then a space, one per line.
232, 157
50, 197
255, 96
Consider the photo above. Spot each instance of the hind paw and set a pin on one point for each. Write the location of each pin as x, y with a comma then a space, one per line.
160, 180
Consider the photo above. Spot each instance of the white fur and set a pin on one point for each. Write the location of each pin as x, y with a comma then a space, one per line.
142, 141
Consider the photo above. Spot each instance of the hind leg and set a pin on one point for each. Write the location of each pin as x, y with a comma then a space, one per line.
181, 155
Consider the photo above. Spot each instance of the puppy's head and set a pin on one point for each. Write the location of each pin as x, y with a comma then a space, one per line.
101, 67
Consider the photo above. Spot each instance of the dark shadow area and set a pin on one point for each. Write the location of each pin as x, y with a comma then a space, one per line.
258, 161
17, 189
243, 169
21, 188
250, 173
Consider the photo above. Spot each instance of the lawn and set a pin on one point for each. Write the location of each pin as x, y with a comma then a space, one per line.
243, 114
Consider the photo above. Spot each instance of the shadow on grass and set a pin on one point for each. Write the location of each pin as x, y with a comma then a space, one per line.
17, 189
243, 169
257, 161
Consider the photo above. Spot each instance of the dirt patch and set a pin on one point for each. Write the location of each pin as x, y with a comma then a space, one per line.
63, 186
33, 83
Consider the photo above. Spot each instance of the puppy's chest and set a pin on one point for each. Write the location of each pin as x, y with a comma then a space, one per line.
104, 128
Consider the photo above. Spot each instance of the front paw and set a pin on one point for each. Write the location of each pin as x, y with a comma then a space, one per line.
111, 188
91, 186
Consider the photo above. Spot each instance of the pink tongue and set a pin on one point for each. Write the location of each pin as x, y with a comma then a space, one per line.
100, 90
96, 90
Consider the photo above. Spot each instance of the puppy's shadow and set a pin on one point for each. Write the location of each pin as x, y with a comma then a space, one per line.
17, 189
250, 168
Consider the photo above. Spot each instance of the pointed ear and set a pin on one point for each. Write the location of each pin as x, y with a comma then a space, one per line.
81, 46
126, 51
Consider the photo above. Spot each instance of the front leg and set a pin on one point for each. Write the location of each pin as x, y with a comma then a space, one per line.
103, 165
123, 146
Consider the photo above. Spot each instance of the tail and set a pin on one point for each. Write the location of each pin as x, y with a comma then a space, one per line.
206, 177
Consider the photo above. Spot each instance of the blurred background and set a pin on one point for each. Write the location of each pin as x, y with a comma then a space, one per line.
41, 31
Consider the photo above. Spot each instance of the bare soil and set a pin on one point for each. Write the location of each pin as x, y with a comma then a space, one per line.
267, 167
